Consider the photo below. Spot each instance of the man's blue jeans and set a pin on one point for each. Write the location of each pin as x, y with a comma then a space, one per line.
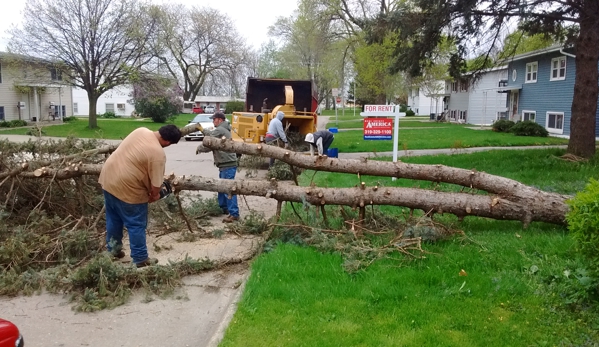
224, 202
132, 216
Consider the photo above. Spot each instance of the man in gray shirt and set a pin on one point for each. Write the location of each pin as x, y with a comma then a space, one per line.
275, 133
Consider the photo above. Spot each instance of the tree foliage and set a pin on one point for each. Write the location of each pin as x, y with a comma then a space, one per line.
195, 44
310, 48
96, 45
477, 26
157, 97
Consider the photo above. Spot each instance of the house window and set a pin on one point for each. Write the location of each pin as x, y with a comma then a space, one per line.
109, 108
558, 69
55, 75
75, 108
462, 116
514, 75
463, 86
529, 115
453, 114
120, 107
555, 122
454, 87
1, 112
531, 72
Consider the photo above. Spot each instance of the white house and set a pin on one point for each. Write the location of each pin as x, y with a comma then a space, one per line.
32, 89
480, 102
114, 100
425, 100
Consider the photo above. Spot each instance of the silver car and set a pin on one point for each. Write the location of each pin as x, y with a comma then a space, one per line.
204, 120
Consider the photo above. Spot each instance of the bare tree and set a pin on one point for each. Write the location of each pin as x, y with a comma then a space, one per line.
97, 44
196, 43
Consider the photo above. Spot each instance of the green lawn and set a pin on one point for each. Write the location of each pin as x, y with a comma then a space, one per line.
456, 136
112, 128
515, 292
436, 135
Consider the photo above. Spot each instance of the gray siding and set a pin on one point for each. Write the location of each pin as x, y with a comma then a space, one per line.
10, 97
484, 100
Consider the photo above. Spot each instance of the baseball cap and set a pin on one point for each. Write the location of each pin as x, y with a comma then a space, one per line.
218, 115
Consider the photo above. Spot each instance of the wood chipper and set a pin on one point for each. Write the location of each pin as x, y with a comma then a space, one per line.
265, 97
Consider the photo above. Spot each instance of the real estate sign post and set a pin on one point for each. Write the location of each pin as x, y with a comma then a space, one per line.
377, 124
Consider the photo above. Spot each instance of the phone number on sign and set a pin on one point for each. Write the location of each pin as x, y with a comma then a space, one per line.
377, 132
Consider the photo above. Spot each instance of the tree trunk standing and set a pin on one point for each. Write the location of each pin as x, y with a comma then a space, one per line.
93, 116
586, 89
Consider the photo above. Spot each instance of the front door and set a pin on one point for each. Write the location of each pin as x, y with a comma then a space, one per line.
514, 95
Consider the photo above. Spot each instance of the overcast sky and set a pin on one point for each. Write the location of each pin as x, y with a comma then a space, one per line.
251, 18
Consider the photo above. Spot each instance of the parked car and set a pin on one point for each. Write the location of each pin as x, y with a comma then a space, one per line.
197, 109
10, 335
204, 120
209, 109
222, 109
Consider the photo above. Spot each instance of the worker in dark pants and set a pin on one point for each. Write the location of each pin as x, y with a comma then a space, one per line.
320, 140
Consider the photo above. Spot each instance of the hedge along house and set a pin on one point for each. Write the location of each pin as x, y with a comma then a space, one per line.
32, 89
540, 88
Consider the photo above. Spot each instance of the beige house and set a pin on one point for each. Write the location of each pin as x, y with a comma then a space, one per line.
32, 89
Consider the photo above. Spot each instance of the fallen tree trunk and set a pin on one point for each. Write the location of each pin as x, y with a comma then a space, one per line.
509, 199
459, 204
503, 187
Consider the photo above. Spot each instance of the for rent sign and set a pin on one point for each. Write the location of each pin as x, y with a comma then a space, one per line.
378, 128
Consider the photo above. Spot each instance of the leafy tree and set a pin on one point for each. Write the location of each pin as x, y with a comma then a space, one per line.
196, 44
156, 97
309, 47
96, 45
476, 26
520, 42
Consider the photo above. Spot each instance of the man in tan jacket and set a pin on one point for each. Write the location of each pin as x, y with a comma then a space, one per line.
131, 178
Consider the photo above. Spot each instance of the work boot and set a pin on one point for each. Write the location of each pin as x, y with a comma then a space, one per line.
230, 219
147, 262
117, 255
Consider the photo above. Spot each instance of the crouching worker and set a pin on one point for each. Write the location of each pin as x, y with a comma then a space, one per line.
131, 178
226, 163
321, 140
275, 134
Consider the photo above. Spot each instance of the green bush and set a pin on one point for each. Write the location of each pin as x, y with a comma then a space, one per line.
109, 114
503, 126
529, 128
583, 223
69, 119
234, 106
159, 109
403, 108
410, 113
13, 123
583, 220
17, 123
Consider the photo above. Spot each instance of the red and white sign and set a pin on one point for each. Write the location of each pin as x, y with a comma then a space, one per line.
338, 99
378, 128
